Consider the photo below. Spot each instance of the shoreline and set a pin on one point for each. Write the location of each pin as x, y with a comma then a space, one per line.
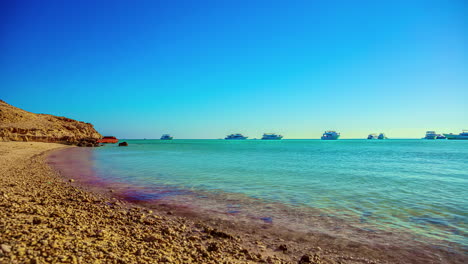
48, 220
110, 229
342, 245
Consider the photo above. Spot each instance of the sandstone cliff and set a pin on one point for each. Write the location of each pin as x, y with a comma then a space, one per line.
19, 125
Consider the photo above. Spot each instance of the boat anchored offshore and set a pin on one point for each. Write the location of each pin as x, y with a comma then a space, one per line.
462, 136
372, 136
237, 136
271, 136
430, 135
382, 136
433, 135
166, 137
330, 135
108, 139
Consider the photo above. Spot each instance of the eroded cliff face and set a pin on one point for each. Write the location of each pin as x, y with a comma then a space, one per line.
19, 125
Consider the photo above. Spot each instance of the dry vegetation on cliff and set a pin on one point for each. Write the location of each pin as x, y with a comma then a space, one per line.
19, 125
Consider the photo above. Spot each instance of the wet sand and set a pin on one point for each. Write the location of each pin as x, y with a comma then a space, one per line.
49, 218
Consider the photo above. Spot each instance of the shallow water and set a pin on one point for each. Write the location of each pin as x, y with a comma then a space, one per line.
396, 189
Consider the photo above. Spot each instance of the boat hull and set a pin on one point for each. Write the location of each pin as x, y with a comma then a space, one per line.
330, 137
272, 138
455, 137
108, 140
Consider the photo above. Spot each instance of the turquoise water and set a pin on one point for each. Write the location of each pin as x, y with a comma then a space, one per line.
416, 187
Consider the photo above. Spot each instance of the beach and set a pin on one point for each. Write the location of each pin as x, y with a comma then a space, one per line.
50, 218
234, 132
47, 220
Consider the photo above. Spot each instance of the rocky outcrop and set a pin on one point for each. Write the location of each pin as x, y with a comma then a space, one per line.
19, 125
87, 142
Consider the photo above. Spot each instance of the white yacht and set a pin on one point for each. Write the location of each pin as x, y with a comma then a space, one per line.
372, 136
166, 137
271, 136
382, 136
433, 135
237, 136
330, 135
461, 136
430, 135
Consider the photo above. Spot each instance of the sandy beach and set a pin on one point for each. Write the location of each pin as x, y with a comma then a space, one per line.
47, 218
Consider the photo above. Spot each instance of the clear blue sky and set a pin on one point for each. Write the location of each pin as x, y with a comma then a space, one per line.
203, 69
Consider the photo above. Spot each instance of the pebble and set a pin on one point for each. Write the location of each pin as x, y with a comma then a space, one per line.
21, 251
5, 248
36, 220
283, 247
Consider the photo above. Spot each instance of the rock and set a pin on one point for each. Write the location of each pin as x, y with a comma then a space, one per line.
36, 220
283, 247
309, 259
5, 248
123, 144
305, 259
101, 233
152, 238
88, 142
212, 247
220, 234
167, 259
21, 251
194, 238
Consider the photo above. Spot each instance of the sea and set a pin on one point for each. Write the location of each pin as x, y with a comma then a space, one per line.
384, 191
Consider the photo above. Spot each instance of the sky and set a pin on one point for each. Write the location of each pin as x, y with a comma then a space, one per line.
204, 69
